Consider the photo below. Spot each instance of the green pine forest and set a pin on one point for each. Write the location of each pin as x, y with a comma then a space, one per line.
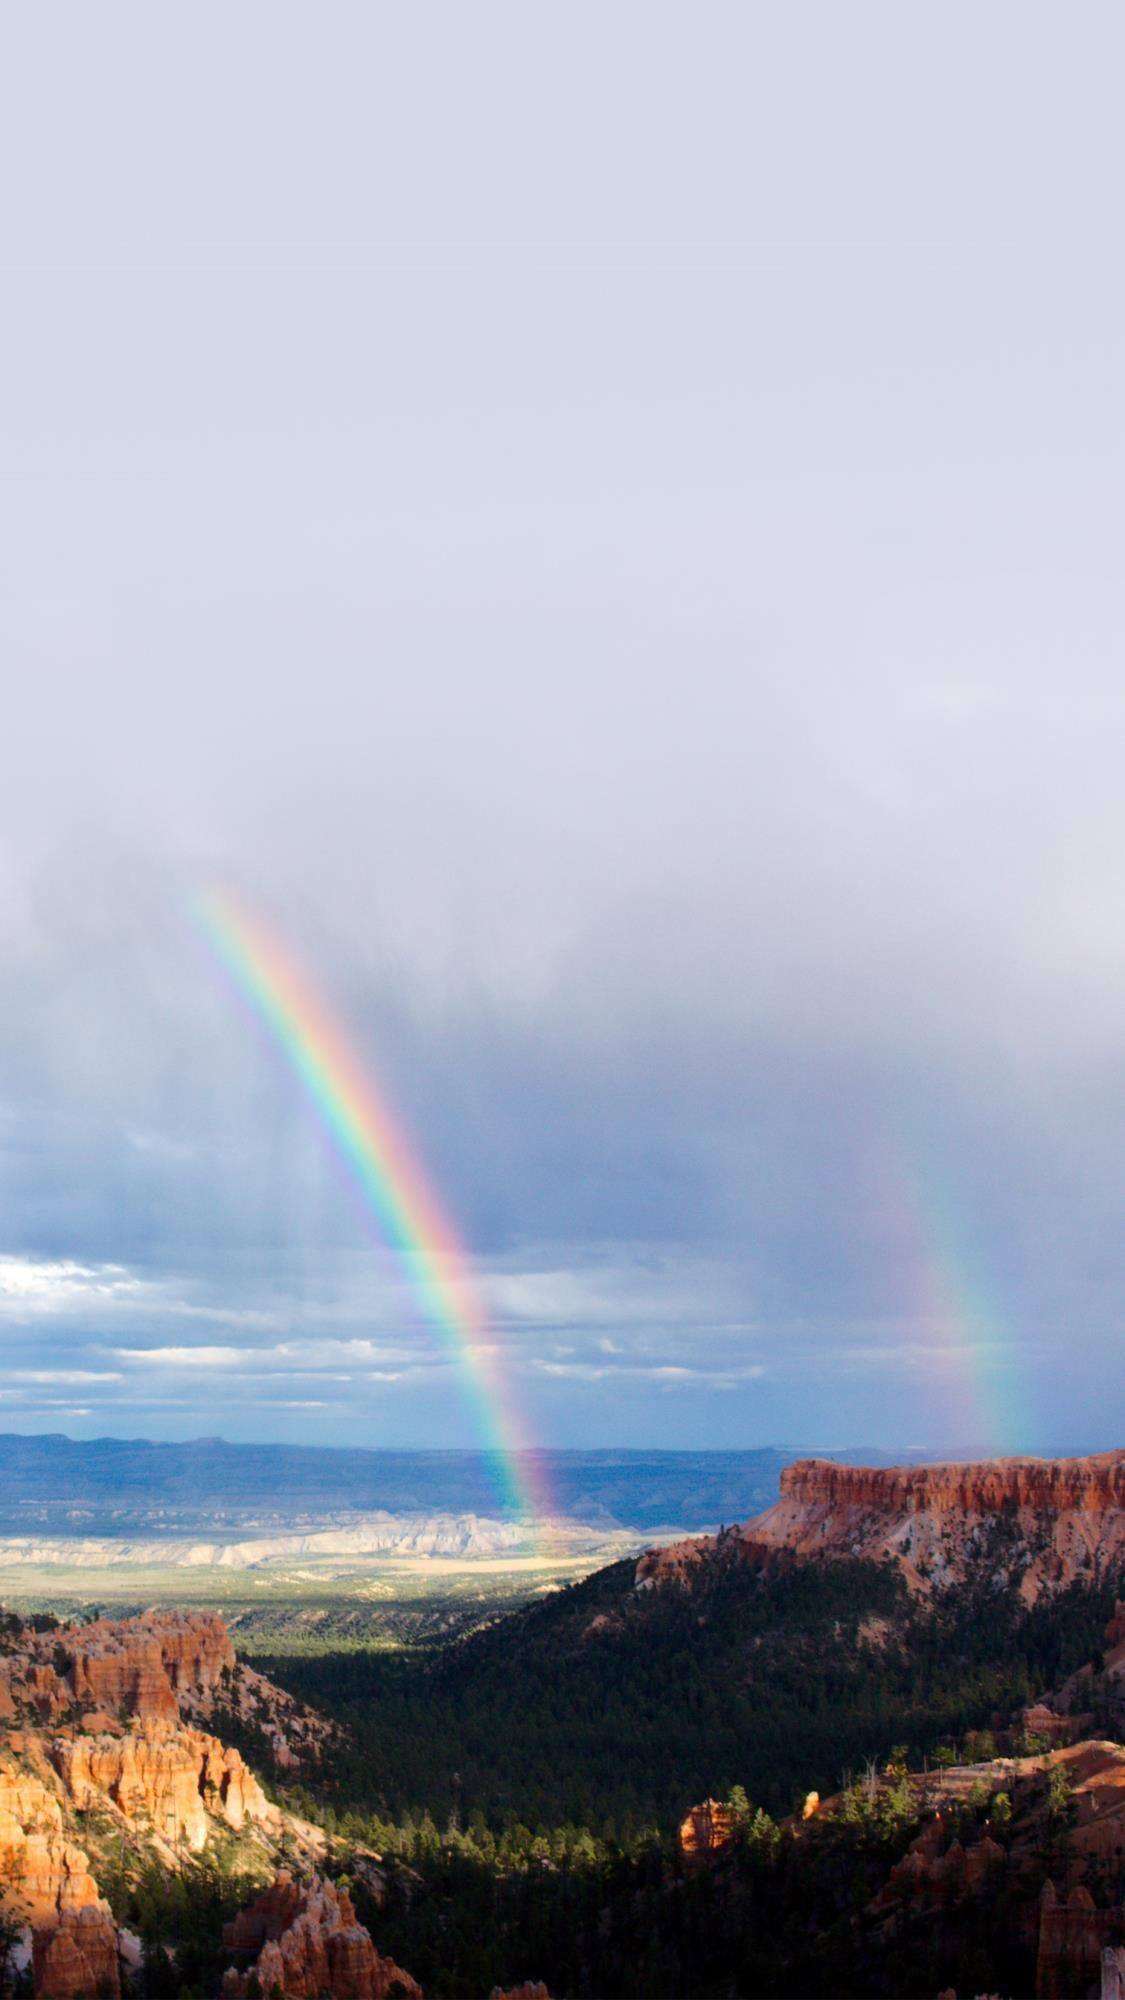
525, 1784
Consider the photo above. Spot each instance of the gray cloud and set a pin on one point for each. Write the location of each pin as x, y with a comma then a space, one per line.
627, 574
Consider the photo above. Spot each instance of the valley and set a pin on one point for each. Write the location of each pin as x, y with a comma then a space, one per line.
390, 1603
866, 1742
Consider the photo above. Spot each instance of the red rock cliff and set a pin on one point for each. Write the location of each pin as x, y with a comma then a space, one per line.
78, 1958
1043, 1485
1046, 1521
167, 1786
43, 1872
100, 1713
707, 1828
47, 1885
178, 1779
150, 1667
161, 1667
1071, 1937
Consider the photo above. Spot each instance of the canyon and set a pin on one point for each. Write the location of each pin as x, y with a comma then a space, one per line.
793, 1662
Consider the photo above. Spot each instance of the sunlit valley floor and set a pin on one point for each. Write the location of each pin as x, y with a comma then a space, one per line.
398, 1602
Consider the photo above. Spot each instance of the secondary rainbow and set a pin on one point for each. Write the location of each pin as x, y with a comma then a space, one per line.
396, 1191
964, 1338
960, 1300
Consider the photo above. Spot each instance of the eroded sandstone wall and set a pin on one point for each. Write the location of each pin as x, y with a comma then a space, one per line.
308, 1942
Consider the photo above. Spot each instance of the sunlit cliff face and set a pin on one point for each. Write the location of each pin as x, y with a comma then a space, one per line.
1043, 1522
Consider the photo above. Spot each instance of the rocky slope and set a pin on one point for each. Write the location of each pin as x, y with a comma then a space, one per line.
958, 1856
166, 1666
103, 1734
1045, 1522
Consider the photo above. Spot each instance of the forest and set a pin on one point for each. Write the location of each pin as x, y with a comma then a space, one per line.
600, 1707
525, 1784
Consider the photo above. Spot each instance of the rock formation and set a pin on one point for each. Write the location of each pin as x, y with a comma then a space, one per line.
305, 1941
266, 1917
959, 1854
931, 1872
153, 1667
103, 1726
47, 1886
1113, 1973
179, 1779
1072, 1934
706, 1829
1049, 1521
44, 1874
162, 1667
77, 1959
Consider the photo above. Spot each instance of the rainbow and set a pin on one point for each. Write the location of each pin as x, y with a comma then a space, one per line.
973, 1363
390, 1177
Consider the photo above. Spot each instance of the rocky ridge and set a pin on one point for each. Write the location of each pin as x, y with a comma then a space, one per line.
1069, 1927
339, 1547
1044, 1522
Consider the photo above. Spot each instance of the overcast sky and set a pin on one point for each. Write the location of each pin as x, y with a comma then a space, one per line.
606, 525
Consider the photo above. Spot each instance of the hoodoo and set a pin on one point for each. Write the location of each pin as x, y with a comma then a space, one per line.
303, 1940
102, 1742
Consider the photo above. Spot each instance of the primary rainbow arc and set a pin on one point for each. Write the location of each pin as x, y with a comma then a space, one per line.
389, 1175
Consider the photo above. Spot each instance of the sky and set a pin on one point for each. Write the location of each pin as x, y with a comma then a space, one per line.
605, 528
